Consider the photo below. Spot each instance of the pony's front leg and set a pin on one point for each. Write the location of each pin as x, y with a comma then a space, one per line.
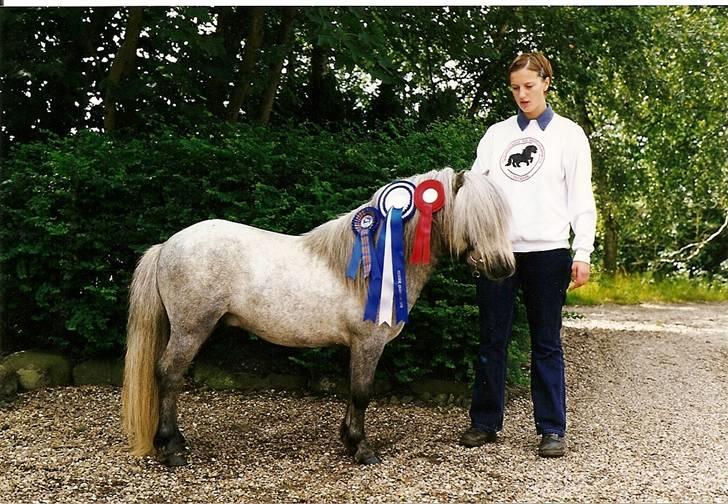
364, 358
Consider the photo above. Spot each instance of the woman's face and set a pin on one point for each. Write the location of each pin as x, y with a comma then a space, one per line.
529, 91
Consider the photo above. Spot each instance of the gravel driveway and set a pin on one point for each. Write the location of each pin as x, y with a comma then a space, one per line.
648, 421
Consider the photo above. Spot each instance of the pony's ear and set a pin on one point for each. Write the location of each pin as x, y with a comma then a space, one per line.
459, 181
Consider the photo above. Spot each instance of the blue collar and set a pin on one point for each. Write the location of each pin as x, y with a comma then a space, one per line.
543, 120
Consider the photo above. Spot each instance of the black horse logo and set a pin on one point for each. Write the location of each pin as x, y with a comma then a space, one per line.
524, 157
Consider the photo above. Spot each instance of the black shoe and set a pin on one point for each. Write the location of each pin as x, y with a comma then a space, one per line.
552, 445
475, 437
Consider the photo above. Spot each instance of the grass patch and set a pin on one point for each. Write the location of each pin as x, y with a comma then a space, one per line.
637, 288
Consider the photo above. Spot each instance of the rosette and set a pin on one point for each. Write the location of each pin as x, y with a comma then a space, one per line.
364, 224
429, 198
396, 203
399, 194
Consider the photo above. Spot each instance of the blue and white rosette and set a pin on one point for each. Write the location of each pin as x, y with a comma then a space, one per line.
364, 224
396, 204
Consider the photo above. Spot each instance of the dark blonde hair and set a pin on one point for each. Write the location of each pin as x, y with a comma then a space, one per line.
535, 61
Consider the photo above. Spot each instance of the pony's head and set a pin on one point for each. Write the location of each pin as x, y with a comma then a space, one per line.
475, 222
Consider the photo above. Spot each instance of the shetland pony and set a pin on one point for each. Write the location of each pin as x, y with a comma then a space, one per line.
289, 290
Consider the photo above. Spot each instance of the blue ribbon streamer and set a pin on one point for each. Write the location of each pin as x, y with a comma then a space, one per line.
376, 271
353, 268
357, 253
375, 280
398, 266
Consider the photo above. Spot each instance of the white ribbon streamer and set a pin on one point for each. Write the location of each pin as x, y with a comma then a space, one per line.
387, 297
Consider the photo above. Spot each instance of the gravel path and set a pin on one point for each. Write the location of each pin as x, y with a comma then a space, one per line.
648, 421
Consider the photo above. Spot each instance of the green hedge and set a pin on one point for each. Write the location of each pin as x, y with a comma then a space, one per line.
78, 211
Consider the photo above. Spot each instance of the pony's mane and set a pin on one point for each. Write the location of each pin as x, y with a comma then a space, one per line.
333, 240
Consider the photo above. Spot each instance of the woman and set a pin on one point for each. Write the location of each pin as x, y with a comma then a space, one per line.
542, 162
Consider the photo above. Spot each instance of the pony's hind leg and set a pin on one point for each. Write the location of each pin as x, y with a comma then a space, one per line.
364, 359
182, 347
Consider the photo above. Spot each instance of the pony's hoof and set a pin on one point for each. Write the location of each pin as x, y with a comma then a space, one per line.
366, 457
174, 460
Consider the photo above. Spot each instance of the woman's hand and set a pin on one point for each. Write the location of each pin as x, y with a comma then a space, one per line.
579, 274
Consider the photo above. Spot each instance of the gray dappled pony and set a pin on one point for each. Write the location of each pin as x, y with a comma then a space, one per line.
289, 290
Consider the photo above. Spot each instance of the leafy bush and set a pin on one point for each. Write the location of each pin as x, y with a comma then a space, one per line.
78, 211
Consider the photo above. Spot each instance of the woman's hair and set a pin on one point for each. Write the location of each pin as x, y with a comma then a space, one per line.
535, 61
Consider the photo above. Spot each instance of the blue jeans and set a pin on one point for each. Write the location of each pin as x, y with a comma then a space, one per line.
544, 278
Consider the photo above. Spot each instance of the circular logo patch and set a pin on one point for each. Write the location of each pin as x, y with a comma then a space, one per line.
367, 221
522, 159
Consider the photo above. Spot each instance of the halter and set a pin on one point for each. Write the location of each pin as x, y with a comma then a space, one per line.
474, 263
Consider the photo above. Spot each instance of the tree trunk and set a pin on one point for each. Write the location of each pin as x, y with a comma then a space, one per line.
325, 102
386, 104
122, 66
250, 57
229, 32
274, 74
318, 69
611, 242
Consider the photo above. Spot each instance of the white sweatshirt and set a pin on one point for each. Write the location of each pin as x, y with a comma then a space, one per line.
545, 173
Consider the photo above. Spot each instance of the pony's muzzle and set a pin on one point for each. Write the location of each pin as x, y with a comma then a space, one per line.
500, 270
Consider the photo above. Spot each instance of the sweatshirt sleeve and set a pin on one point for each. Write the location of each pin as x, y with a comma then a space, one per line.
580, 197
485, 147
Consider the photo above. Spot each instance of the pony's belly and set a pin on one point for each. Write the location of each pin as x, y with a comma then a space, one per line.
289, 329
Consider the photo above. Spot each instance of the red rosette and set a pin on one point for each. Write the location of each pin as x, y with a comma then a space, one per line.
429, 198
